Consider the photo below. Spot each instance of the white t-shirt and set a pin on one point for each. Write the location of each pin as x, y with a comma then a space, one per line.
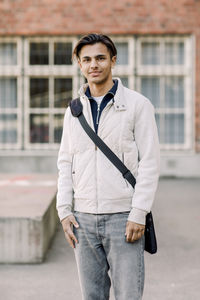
98, 99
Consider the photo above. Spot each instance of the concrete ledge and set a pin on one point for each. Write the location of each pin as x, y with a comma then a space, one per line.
181, 163
24, 162
28, 217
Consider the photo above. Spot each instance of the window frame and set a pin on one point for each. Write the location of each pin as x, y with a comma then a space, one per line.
126, 71
186, 71
14, 71
50, 71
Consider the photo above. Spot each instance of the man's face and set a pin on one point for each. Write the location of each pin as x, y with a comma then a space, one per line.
95, 63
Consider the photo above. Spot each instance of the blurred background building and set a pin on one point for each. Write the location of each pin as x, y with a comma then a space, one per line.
158, 45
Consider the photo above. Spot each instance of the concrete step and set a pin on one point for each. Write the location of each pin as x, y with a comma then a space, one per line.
28, 217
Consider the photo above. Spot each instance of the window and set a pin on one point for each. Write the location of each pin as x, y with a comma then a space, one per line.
150, 53
39, 53
51, 82
164, 76
45, 121
10, 95
38, 79
8, 53
122, 53
124, 68
62, 53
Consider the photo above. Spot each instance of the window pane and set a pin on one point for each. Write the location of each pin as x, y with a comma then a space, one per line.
8, 54
39, 92
62, 53
62, 91
58, 126
8, 128
8, 92
122, 53
174, 129
150, 53
124, 81
39, 53
150, 87
39, 128
174, 92
174, 53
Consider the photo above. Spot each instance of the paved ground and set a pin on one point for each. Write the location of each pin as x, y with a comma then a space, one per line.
172, 274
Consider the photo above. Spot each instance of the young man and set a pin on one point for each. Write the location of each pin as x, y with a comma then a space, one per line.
103, 217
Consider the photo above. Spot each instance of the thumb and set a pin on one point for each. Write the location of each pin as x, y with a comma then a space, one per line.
74, 222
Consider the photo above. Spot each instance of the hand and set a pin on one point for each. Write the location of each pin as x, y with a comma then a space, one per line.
67, 225
134, 231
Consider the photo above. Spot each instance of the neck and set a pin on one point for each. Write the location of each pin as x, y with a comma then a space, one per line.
100, 89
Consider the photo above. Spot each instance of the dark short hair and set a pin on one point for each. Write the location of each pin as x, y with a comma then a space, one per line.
92, 39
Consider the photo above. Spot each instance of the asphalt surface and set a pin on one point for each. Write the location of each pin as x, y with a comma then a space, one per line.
173, 273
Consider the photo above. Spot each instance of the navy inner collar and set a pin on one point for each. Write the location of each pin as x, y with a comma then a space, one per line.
110, 94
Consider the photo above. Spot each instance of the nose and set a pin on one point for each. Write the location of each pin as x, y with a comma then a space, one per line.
93, 64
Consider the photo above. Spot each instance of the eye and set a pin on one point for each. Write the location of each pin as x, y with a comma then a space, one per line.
86, 59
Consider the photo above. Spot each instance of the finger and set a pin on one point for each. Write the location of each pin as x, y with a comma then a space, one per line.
74, 222
136, 236
138, 229
127, 230
133, 237
71, 235
141, 232
129, 235
69, 240
69, 223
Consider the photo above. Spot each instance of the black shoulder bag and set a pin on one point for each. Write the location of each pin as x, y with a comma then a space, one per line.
76, 110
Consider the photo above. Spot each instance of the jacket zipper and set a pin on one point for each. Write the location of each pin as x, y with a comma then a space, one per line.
97, 119
103, 111
97, 122
98, 111
96, 177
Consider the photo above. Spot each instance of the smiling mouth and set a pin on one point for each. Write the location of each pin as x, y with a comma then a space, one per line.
94, 73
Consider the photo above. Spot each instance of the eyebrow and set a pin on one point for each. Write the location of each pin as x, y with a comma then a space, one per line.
96, 56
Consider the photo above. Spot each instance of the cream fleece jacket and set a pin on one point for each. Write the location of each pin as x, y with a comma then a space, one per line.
88, 182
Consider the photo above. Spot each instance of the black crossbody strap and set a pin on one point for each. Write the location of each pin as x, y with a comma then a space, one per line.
76, 109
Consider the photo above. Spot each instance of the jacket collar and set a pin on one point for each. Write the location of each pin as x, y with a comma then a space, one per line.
110, 94
118, 100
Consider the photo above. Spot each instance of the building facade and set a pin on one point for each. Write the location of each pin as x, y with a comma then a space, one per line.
158, 45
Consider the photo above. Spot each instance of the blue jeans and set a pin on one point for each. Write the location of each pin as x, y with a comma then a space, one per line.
102, 247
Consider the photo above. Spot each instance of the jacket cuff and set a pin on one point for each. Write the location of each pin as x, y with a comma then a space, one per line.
64, 212
138, 216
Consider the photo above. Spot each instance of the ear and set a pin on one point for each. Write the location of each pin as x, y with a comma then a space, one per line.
113, 61
79, 63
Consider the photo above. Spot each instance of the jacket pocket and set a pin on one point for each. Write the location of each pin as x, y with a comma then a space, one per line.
73, 171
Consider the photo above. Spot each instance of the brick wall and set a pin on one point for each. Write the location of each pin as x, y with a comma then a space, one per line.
74, 17
110, 16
